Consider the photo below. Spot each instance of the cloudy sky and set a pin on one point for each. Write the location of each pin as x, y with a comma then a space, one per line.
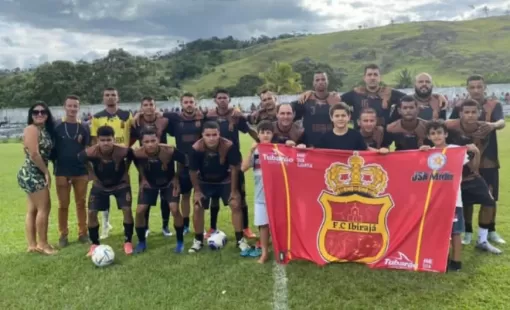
36, 31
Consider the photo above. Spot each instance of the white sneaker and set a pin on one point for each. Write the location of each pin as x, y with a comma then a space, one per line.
243, 245
106, 230
496, 238
196, 246
487, 247
167, 232
468, 237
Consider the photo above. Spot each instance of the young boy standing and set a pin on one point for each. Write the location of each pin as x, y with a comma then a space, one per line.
437, 133
265, 131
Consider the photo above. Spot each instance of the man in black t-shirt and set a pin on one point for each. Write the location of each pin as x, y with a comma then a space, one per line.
186, 127
214, 170
492, 113
108, 164
409, 132
71, 138
156, 165
231, 122
149, 119
375, 136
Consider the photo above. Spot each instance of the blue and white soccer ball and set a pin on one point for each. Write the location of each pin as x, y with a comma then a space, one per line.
103, 255
217, 240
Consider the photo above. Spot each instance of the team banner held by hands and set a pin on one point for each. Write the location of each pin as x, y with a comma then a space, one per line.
387, 211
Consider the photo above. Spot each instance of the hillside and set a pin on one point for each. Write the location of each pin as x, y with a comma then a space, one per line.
447, 50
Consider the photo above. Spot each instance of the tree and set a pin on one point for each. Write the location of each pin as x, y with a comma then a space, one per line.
405, 79
281, 79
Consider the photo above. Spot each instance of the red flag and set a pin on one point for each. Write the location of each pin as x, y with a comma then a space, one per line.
387, 211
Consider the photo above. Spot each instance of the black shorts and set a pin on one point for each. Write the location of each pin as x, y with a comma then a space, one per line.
476, 191
185, 181
99, 199
242, 191
491, 177
149, 196
215, 191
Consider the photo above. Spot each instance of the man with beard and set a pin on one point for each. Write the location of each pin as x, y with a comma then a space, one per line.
409, 132
285, 130
148, 119
120, 120
267, 111
469, 130
375, 136
313, 109
186, 127
431, 106
372, 95
230, 122
492, 112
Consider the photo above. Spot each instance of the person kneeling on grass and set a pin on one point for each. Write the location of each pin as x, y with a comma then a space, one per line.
265, 131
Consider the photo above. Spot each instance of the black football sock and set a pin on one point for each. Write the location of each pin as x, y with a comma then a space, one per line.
94, 235
186, 222
147, 216
179, 232
239, 235
246, 223
140, 232
165, 214
492, 227
469, 227
128, 232
214, 216
199, 237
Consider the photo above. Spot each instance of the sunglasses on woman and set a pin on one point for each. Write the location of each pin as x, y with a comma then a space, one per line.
39, 112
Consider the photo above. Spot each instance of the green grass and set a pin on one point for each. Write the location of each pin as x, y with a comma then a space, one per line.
159, 279
447, 50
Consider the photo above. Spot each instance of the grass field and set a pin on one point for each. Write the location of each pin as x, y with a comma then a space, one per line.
159, 279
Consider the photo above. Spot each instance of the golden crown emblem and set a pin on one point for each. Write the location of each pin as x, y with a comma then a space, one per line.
355, 176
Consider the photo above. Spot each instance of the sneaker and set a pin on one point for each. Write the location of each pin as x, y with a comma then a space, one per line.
496, 238
196, 246
179, 248
83, 239
63, 242
243, 245
249, 234
257, 252
454, 266
128, 248
147, 233
185, 231
106, 231
468, 237
92, 249
167, 232
487, 247
140, 247
209, 233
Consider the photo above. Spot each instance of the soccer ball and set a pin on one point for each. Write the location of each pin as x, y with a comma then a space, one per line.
217, 240
103, 256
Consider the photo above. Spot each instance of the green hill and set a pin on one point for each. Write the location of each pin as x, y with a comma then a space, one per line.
447, 50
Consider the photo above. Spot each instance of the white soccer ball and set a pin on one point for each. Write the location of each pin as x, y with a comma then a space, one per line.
103, 255
217, 240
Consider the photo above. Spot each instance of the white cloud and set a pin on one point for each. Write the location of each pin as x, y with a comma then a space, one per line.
79, 29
